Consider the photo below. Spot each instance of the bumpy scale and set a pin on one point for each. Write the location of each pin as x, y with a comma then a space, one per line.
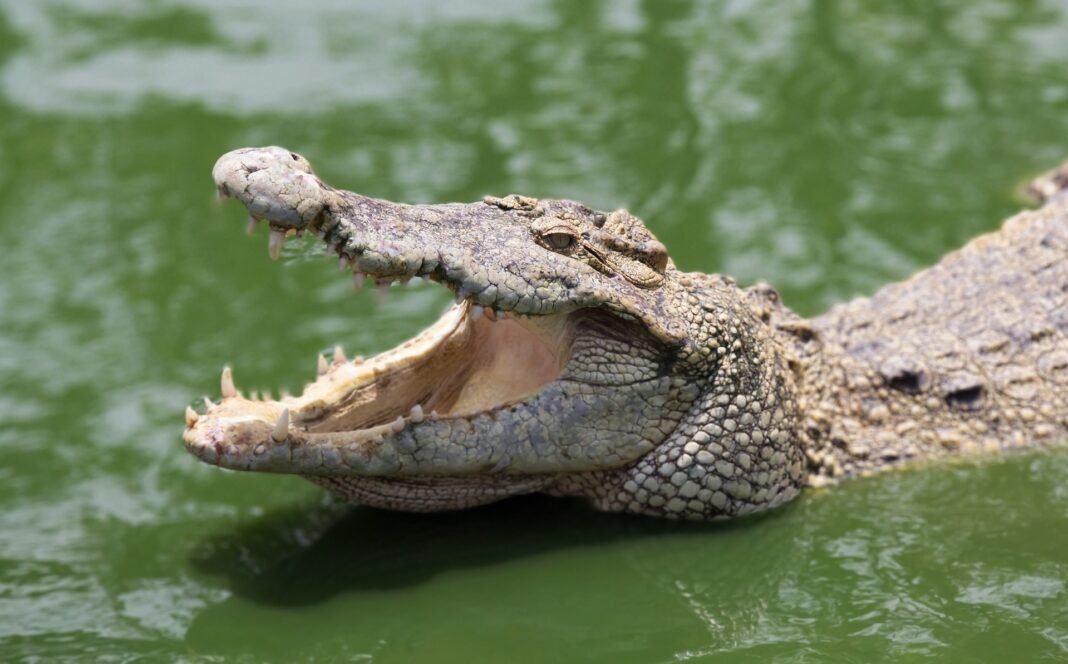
578, 361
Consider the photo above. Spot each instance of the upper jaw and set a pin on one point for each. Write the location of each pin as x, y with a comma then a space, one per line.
483, 251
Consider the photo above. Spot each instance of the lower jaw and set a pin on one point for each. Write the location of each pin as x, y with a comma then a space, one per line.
462, 366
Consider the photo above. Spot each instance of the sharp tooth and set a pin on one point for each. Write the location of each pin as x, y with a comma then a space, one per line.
274, 244
254, 395
404, 281
398, 424
418, 279
357, 279
284, 394
459, 296
339, 355
219, 195
381, 288
253, 222
268, 396
434, 415
191, 416
358, 359
476, 311
226, 384
417, 413
208, 404
323, 366
344, 262
490, 314
281, 427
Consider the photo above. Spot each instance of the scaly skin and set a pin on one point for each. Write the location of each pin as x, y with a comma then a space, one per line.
579, 361
970, 355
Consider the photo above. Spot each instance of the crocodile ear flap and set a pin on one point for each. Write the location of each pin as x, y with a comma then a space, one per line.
638, 255
654, 254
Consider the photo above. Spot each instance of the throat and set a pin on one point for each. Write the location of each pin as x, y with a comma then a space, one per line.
474, 364
512, 360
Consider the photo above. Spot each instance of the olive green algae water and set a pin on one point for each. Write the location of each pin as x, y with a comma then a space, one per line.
826, 147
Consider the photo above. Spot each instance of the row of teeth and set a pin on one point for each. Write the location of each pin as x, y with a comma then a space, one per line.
276, 238
280, 431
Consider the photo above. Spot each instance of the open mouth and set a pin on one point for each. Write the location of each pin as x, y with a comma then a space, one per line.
473, 362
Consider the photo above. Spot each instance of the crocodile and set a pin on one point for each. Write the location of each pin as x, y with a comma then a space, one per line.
578, 360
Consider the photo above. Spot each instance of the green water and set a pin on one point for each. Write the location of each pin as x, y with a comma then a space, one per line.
826, 147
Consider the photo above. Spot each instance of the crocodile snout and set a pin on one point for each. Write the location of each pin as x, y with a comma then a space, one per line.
274, 184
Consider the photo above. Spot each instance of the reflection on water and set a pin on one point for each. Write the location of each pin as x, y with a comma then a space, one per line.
238, 56
826, 147
788, 134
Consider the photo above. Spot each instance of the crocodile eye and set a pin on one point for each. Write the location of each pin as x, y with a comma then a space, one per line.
560, 241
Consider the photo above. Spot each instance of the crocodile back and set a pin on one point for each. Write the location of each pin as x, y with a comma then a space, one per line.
969, 354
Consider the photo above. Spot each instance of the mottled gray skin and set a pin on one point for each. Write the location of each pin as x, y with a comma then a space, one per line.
682, 395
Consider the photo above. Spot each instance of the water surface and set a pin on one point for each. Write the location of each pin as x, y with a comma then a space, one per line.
825, 147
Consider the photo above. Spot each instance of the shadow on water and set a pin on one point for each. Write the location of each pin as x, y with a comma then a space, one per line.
328, 576
307, 555
852, 569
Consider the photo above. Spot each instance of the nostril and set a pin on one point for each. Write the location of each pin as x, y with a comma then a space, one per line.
965, 398
908, 381
964, 391
295, 156
904, 374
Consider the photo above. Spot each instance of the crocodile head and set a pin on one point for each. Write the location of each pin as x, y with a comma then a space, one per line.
576, 360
